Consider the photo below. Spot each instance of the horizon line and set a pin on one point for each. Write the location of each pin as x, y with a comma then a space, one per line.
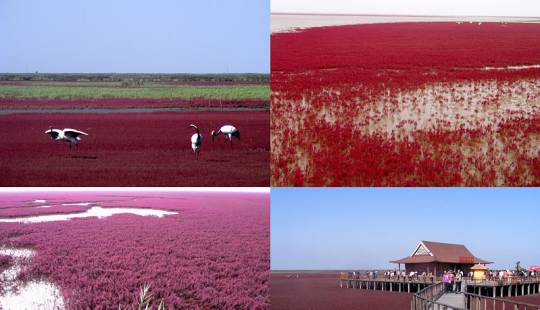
361, 269
398, 15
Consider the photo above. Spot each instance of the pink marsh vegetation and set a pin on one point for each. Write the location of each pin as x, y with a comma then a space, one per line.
213, 254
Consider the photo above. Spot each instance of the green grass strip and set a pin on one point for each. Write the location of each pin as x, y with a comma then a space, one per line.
261, 92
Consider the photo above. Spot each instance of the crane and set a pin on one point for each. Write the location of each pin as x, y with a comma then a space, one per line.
69, 135
229, 132
196, 140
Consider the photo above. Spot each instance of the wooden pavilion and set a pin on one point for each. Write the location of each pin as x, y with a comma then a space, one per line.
437, 257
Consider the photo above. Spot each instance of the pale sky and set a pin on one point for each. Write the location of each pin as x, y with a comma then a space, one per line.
366, 228
514, 8
123, 36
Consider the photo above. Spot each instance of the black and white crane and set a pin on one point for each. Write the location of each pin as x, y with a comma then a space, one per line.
196, 141
229, 132
69, 135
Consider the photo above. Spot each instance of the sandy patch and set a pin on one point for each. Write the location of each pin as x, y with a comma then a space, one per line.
435, 106
460, 105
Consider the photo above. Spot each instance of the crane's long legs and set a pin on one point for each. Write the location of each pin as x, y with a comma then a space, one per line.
230, 139
69, 143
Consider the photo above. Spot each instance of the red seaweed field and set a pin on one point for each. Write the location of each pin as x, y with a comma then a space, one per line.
322, 291
212, 254
406, 104
135, 149
10, 104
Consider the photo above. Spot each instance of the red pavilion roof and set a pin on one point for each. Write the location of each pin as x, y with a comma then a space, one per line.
428, 251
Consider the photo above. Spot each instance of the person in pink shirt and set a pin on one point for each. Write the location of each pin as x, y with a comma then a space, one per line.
446, 280
451, 279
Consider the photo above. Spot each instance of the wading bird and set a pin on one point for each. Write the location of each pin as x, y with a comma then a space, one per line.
69, 135
229, 132
196, 141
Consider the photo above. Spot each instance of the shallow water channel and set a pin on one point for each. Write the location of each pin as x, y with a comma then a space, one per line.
30, 295
94, 211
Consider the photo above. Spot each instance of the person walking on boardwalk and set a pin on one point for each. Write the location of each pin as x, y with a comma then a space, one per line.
446, 280
459, 276
451, 279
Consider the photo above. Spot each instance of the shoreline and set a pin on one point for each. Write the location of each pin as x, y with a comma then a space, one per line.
292, 22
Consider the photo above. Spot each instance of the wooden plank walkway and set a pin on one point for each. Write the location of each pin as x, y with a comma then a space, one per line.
385, 285
453, 300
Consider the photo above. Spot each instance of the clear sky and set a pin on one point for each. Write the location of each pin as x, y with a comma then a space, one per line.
140, 36
366, 228
514, 8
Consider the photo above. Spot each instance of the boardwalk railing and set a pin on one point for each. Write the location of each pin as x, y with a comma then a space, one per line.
382, 278
381, 284
511, 280
478, 302
501, 288
426, 299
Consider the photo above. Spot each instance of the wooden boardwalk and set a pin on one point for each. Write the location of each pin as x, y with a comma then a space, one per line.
385, 285
494, 289
452, 300
429, 295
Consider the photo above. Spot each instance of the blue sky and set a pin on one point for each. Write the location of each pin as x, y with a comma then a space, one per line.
365, 228
122, 36
515, 8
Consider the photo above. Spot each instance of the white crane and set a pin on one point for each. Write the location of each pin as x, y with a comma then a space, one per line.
69, 135
229, 132
196, 141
